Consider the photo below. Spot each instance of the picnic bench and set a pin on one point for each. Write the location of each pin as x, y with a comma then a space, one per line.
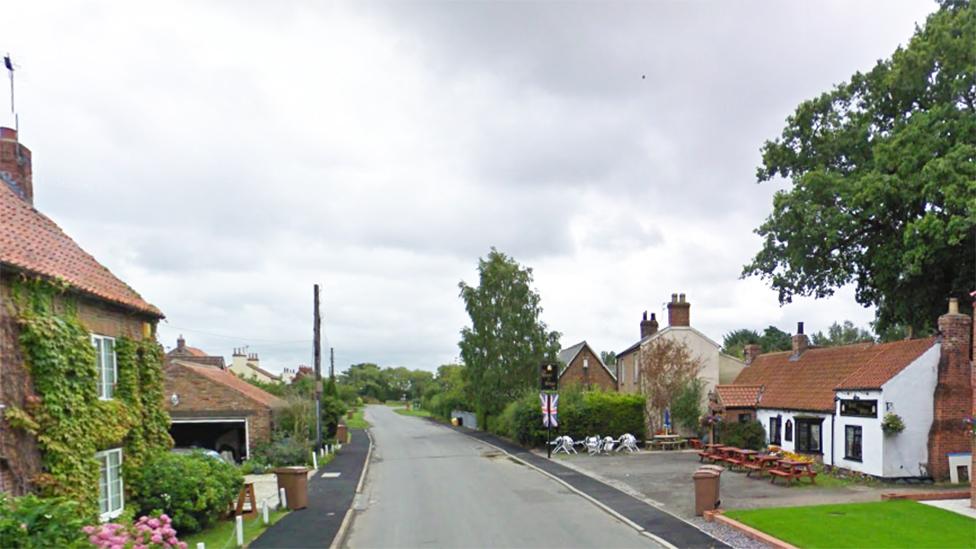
711, 453
792, 470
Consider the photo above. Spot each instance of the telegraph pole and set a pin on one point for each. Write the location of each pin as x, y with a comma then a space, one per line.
317, 331
332, 363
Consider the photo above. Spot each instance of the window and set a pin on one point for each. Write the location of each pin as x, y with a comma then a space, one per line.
107, 370
788, 431
586, 362
808, 435
859, 408
852, 442
774, 424
744, 418
110, 495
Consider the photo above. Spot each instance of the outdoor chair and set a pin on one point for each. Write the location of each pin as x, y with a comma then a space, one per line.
608, 443
563, 444
627, 442
593, 445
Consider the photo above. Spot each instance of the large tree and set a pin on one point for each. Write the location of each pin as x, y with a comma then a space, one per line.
506, 342
667, 367
883, 172
842, 334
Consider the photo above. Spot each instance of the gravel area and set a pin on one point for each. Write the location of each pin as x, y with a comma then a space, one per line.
729, 535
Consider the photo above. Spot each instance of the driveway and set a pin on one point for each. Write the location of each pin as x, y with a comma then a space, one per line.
428, 486
664, 479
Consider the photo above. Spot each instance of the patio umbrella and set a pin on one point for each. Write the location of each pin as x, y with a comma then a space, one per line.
667, 419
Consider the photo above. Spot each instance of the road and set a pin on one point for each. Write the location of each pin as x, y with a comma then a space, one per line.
429, 486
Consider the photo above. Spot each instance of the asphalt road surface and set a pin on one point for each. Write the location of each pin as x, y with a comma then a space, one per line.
428, 486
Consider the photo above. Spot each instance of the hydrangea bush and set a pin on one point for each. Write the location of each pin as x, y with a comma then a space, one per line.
146, 533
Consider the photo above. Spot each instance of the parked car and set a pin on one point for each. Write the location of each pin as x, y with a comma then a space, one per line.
194, 450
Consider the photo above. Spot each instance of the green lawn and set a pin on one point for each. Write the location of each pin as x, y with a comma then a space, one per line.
412, 412
357, 421
876, 525
222, 536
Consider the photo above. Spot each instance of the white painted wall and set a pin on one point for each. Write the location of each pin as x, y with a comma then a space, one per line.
872, 443
790, 445
911, 394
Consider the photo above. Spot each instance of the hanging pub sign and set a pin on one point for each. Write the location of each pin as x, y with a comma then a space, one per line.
549, 375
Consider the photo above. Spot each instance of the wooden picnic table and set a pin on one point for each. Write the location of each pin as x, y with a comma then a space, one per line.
793, 470
760, 463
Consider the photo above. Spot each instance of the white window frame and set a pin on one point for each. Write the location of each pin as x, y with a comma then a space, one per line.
105, 392
103, 464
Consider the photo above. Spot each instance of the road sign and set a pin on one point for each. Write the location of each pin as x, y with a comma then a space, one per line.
549, 376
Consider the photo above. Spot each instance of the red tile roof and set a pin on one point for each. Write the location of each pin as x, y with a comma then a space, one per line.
739, 396
31, 242
228, 379
808, 383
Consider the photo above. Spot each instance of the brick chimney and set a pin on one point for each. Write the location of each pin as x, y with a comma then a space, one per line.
180, 344
751, 351
679, 311
953, 391
648, 327
800, 342
15, 165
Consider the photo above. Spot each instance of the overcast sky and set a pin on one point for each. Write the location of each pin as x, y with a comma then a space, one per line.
221, 159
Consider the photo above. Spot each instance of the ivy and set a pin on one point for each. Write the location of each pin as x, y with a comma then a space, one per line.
68, 419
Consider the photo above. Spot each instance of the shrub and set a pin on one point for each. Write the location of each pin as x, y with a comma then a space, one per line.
892, 424
30, 522
686, 407
193, 489
147, 532
749, 435
284, 452
580, 414
255, 466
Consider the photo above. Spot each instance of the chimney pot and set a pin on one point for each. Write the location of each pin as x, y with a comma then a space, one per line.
180, 343
648, 327
953, 305
681, 298
674, 298
799, 327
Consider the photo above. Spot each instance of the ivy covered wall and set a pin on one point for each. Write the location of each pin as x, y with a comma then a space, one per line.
63, 413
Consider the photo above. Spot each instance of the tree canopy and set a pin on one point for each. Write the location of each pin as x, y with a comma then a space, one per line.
883, 172
771, 340
506, 342
842, 334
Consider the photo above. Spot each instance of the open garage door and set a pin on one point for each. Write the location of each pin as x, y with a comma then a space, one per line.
220, 435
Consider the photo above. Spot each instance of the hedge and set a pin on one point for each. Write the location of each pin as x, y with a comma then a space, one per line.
581, 414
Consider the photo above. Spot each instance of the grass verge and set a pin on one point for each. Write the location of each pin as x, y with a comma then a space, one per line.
357, 421
412, 412
221, 535
879, 525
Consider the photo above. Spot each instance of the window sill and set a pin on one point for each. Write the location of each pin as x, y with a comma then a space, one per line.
105, 517
858, 460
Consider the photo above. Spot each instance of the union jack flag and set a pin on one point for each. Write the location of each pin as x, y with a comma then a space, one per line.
550, 410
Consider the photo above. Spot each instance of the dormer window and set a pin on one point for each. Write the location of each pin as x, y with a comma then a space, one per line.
108, 372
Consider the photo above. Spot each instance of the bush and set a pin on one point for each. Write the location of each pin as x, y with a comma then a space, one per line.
580, 414
147, 532
30, 522
749, 435
193, 489
284, 452
686, 407
255, 466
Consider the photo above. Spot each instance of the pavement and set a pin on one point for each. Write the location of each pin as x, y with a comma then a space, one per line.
651, 518
328, 500
664, 479
430, 486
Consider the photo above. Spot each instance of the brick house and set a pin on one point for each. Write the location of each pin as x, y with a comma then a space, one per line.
32, 246
212, 408
193, 354
831, 402
581, 365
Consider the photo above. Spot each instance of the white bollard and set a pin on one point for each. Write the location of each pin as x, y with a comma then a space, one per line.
240, 530
264, 512
282, 499
201, 545
315, 461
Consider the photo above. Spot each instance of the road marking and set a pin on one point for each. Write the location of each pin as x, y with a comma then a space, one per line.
330, 475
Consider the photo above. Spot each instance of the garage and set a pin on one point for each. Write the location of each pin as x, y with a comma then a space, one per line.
228, 437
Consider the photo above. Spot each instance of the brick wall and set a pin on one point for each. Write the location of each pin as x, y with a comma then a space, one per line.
593, 376
201, 397
15, 162
953, 394
20, 457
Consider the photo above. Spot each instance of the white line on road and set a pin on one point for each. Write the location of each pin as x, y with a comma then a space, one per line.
330, 475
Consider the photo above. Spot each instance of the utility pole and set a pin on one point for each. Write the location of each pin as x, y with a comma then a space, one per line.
332, 363
317, 330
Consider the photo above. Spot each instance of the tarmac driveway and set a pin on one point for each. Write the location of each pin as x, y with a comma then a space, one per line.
664, 479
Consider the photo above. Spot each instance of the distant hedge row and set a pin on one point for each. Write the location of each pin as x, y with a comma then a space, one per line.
581, 414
